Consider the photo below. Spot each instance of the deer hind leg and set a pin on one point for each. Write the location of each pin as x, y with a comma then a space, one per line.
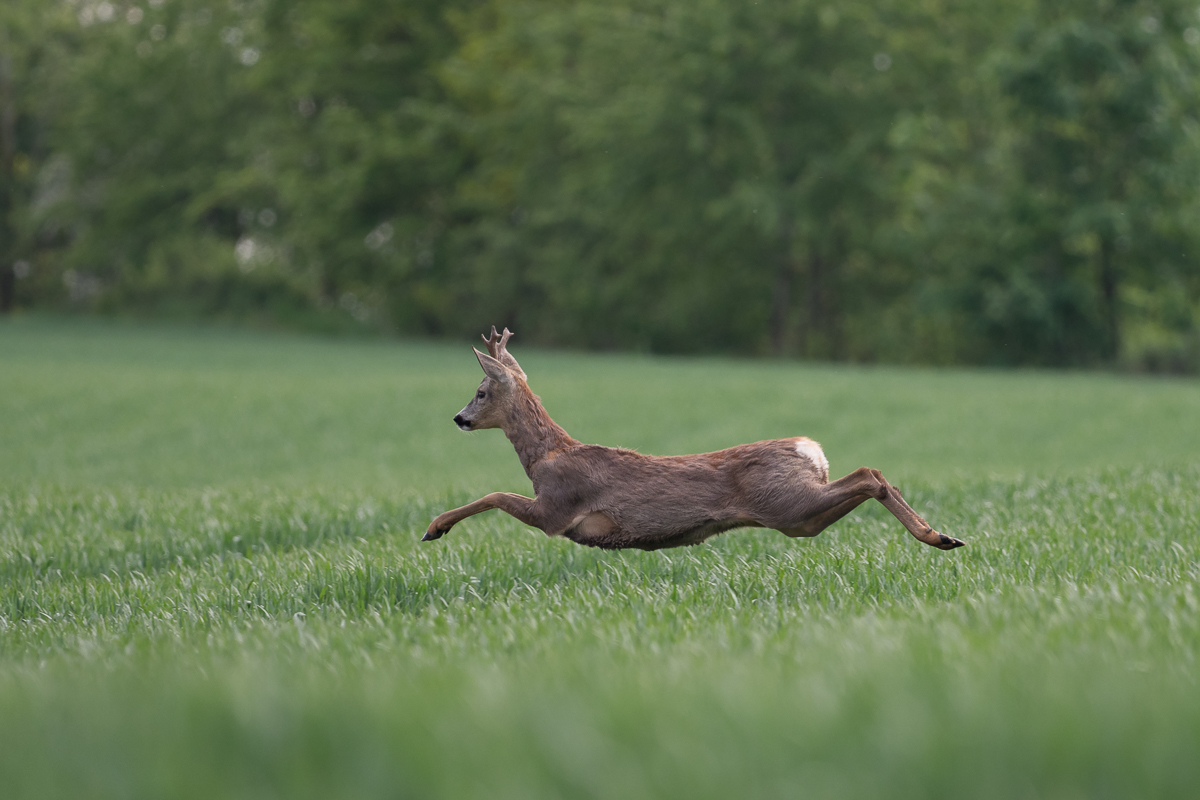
834, 501
839, 498
893, 501
814, 525
523, 508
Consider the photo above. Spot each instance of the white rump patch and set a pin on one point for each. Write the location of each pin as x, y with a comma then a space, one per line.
813, 452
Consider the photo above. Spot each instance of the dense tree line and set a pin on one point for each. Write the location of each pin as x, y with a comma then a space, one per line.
935, 181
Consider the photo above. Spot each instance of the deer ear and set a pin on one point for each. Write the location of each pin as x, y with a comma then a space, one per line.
493, 368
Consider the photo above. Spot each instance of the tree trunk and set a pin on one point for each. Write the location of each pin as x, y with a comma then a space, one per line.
816, 321
781, 305
8, 152
1108, 290
8, 288
781, 294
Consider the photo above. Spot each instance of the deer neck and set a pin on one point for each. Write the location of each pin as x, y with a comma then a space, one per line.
532, 433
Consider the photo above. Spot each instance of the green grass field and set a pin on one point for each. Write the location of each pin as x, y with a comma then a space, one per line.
212, 584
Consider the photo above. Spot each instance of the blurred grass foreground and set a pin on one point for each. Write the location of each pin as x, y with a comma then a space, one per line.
902, 181
211, 583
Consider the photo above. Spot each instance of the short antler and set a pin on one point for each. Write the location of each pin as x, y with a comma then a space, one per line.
496, 343
497, 348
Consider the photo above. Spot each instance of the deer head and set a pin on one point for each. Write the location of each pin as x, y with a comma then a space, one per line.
495, 396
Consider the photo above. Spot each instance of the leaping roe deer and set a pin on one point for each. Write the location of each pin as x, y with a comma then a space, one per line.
614, 498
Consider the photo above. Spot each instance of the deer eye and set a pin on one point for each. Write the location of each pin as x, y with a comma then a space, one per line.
480, 395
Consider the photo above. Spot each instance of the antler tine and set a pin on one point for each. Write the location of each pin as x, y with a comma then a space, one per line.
493, 345
497, 345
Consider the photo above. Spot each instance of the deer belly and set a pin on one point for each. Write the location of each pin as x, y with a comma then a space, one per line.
596, 529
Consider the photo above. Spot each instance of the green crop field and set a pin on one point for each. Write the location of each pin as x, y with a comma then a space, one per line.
212, 584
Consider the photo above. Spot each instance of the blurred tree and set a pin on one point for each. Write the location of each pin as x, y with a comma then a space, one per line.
256, 157
673, 176
8, 154
362, 158
949, 170
1104, 103
153, 108
26, 30
906, 180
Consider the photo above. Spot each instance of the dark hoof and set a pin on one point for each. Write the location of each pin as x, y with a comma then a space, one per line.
430, 535
948, 542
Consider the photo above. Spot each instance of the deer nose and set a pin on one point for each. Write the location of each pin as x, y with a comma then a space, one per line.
460, 422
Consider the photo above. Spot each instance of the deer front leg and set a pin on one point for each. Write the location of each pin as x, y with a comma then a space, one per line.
523, 508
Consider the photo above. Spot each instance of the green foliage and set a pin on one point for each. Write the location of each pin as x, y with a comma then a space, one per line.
923, 181
29, 50
1107, 106
211, 583
759, 137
